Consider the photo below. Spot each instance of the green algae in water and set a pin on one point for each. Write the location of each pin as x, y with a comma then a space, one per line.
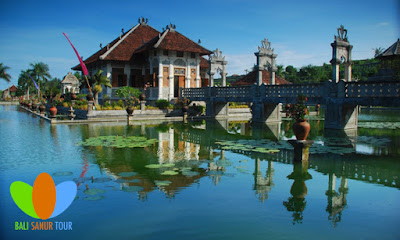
127, 174
190, 173
118, 142
62, 174
160, 165
169, 173
94, 191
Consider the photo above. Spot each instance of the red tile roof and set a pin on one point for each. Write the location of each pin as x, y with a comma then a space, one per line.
13, 88
141, 39
251, 78
174, 41
123, 50
204, 63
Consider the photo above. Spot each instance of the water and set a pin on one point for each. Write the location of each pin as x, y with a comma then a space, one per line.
349, 189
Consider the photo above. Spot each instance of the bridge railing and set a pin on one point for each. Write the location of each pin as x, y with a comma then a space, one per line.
372, 89
232, 92
196, 94
293, 90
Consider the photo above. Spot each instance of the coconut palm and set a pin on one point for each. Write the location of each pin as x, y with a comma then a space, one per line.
99, 79
3, 74
40, 71
378, 51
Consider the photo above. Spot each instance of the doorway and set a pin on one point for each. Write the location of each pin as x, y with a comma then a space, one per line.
179, 82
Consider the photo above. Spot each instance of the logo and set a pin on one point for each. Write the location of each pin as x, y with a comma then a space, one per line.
44, 200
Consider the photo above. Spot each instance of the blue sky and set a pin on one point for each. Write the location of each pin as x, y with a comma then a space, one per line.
299, 31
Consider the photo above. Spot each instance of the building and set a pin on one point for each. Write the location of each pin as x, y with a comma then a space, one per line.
9, 92
390, 63
70, 84
160, 62
251, 78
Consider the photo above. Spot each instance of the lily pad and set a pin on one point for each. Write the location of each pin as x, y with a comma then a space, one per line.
190, 173
127, 174
93, 198
94, 191
101, 180
118, 142
160, 165
121, 180
62, 174
132, 189
169, 173
162, 183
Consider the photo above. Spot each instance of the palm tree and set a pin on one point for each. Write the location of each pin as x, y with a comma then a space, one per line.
24, 81
3, 73
99, 79
40, 72
378, 51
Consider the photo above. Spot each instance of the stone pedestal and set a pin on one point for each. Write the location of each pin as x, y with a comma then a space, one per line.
142, 105
301, 149
90, 107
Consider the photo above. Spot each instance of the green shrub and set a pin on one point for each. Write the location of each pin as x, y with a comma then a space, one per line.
162, 104
198, 109
120, 103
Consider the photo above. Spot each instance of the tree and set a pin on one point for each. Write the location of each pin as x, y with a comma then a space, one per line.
378, 51
24, 81
99, 79
3, 73
52, 87
279, 71
40, 72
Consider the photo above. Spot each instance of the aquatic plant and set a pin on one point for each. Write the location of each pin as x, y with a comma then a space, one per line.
118, 142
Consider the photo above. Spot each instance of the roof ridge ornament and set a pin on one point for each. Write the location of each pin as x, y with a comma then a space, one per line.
143, 21
266, 47
171, 27
342, 34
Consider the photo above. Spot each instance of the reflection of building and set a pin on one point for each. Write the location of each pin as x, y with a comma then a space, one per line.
262, 184
70, 84
336, 201
163, 61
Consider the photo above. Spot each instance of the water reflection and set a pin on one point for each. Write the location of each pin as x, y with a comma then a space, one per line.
194, 156
297, 202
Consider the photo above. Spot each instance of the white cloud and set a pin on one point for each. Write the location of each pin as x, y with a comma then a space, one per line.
237, 63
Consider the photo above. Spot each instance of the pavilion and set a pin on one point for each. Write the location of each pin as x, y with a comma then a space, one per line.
159, 62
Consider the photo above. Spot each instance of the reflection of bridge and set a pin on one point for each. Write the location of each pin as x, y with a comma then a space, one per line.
341, 99
358, 167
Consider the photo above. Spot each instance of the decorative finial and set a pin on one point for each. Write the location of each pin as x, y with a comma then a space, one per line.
101, 45
122, 30
342, 34
199, 41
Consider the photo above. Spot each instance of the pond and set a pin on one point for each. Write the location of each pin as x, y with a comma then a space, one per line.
206, 179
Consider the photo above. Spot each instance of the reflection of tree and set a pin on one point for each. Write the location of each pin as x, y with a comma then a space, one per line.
336, 201
297, 203
263, 185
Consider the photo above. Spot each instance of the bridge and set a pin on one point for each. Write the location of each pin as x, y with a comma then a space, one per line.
340, 99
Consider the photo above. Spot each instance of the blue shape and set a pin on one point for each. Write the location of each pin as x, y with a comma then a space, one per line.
65, 194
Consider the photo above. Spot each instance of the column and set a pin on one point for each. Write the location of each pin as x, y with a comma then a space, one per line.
127, 71
109, 76
171, 82
171, 146
187, 77
272, 82
198, 74
160, 81
223, 75
347, 72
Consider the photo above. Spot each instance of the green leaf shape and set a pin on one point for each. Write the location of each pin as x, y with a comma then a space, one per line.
118, 142
166, 165
127, 174
101, 180
94, 191
169, 173
120, 180
162, 183
21, 193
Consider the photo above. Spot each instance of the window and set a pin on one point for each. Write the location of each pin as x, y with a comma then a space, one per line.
179, 71
179, 54
155, 52
165, 52
193, 55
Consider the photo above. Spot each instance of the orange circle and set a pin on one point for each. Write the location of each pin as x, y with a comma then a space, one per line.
44, 196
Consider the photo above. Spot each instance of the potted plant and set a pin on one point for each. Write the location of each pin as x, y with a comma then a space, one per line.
57, 100
130, 96
297, 112
184, 103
